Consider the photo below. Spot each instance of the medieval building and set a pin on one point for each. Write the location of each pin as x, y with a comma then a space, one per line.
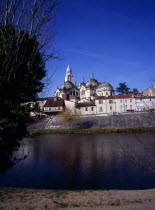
84, 91
95, 98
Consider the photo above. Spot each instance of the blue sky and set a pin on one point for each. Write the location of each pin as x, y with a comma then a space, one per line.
114, 39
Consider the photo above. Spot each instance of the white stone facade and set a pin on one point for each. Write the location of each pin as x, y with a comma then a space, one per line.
120, 104
89, 90
125, 104
145, 103
94, 98
90, 110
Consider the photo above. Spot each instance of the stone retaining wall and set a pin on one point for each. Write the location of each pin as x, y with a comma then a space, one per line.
115, 121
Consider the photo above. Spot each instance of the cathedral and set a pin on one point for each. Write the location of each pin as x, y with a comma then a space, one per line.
84, 91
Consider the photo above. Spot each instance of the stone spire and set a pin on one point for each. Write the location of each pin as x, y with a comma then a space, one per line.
92, 76
69, 77
68, 70
82, 80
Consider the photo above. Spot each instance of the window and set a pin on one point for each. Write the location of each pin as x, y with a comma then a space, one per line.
100, 109
59, 108
106, 93
110, 107
86, 109
110, 101
130, 106
83, 92
92, 108
126, 106
121, 106
100, 101
125, 100
130, 100
121, 101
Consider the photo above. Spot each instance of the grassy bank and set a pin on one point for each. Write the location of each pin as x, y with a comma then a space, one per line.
53, 199
91, 131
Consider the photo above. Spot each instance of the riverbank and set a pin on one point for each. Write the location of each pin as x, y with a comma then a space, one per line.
117, 122
15, 198
90, 130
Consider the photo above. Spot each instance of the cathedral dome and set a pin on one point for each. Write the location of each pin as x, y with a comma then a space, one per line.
105, 86
92, 82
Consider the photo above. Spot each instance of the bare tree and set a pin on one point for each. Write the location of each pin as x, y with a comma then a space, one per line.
32, 17
69, 116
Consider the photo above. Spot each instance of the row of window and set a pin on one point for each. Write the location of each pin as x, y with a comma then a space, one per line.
74, 93
111, 101
101, 101
87, 109
121, 100
121, 106
101, 94
52, 108
101, 108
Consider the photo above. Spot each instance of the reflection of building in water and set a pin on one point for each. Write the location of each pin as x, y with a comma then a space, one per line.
83, 161
76, 154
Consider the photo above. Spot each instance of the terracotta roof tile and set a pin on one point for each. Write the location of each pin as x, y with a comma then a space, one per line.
86, 104
54, 102
115, 96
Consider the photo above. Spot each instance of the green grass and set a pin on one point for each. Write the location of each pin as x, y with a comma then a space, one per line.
90, 130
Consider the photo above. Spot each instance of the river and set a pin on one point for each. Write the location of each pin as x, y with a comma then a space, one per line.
83, 161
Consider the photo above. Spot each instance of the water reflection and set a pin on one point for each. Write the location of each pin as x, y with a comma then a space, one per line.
81, 162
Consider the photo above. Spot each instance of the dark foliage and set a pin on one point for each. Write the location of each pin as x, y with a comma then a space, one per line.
123, 88
21, 72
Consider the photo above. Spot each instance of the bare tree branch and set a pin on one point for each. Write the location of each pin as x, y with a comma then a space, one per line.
35, 17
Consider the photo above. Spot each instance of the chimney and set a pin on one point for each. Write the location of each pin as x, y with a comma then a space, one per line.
64, 96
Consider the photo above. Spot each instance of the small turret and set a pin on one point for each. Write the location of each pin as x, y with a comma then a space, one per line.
92, 76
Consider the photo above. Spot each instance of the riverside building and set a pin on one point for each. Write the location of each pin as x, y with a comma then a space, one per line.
95, 98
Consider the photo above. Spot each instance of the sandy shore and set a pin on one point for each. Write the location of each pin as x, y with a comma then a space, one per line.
51, 199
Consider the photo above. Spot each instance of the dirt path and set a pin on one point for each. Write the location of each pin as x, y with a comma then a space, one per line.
126, 207
87, 200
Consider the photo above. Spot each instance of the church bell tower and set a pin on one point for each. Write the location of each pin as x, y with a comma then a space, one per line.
69, 76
